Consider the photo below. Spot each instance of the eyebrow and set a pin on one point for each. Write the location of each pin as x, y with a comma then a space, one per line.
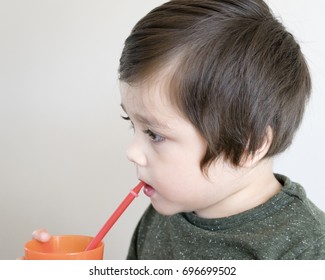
152, 122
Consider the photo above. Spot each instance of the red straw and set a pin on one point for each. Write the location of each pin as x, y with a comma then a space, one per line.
111, 221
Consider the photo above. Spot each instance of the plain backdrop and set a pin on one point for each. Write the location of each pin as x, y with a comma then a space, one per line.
62, 141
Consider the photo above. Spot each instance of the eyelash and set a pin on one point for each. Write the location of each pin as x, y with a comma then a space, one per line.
156, 138
128, 119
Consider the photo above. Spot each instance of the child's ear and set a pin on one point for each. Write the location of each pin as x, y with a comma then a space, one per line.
249, 160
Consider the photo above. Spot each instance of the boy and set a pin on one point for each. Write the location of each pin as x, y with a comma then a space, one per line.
215, 89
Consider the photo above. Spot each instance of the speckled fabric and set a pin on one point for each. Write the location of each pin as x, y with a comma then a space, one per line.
288, 226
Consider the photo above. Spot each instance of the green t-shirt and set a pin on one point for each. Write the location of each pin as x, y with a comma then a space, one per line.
288, 226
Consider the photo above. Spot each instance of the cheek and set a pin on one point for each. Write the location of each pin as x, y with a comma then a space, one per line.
175, 162
180, 157
181, 161
177, 170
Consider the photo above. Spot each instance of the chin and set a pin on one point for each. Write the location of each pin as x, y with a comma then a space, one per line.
165, 210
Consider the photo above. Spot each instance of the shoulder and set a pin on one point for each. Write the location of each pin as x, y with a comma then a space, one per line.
300, 205
306, 220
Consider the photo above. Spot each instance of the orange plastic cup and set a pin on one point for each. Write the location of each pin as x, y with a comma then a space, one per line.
63, 247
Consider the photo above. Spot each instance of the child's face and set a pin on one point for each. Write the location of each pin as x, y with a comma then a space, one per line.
167, 150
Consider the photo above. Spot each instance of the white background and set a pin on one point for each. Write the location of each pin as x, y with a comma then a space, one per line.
162, 270
62, 142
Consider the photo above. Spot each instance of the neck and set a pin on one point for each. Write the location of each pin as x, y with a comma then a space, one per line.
253, 188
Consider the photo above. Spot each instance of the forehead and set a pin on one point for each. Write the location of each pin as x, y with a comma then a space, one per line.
155, 87
152, 95
144, 94
148, 105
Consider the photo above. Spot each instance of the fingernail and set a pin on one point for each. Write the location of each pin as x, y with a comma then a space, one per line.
44, 236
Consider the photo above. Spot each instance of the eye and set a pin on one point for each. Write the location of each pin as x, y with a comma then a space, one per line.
154, 136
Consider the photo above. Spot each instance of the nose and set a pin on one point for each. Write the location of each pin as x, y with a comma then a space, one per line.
135, 153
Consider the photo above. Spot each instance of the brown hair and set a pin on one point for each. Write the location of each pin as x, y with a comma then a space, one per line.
238, 72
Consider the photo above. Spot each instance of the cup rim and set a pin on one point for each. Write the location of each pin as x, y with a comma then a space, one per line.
28, 243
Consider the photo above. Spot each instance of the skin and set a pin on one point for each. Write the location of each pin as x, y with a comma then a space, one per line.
41, 235
167, 149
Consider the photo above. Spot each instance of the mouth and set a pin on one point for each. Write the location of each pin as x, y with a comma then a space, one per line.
148, 190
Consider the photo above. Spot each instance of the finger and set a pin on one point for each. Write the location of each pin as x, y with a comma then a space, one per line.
41, 235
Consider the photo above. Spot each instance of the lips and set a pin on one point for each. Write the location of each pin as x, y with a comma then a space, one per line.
148, 190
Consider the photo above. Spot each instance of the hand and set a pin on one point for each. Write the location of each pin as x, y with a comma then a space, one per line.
40, 235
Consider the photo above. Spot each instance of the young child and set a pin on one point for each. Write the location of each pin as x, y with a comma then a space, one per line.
215, 89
